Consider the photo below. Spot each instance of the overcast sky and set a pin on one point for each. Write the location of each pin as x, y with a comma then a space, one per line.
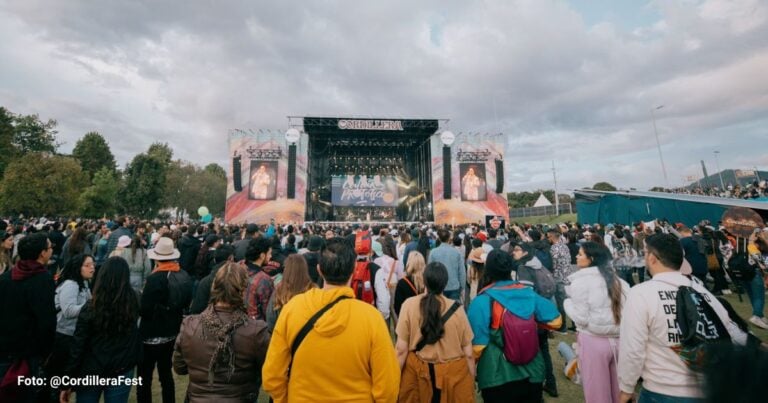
563, 81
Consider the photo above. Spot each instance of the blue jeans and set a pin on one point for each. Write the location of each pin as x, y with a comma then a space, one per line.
453, 294
756, 292
646, 396
112, 394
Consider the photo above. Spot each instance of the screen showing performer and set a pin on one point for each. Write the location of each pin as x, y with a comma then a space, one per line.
263, 185
473, 182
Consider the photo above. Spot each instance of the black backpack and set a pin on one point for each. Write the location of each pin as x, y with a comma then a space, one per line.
700, 327
739, 264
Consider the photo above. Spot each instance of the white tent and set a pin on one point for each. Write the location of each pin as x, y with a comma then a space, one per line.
542, 201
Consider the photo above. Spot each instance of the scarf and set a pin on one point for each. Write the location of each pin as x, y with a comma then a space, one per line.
214, 327
166, 265
25, 269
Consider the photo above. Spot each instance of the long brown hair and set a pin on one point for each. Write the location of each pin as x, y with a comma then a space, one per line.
415, 269
228, 285
601, 258
295, 281
115, 304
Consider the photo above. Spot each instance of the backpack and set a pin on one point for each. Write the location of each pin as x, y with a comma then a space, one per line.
543, 281
519, 336
251, 302
700, 327
739, 264
363, 243
361, 282
179, 290
545, 258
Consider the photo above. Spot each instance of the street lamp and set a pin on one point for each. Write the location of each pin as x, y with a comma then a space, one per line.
658, 145
719, 172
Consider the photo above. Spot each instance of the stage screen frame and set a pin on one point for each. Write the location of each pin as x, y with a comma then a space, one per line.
482, 187
341, 183
272, 175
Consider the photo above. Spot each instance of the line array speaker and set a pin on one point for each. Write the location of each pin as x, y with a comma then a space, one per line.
499, 176
237, 173
292, 171
447, 184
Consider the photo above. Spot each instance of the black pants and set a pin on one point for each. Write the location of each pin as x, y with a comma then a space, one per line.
549, 375
560, 297
161, 355
720, 282
57, 362
517, 391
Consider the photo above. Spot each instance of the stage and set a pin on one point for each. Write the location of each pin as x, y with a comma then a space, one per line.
362, 170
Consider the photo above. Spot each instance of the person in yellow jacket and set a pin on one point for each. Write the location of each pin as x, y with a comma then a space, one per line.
346, 355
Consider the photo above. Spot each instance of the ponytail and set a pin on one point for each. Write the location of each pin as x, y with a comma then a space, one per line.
601, 257
432, 327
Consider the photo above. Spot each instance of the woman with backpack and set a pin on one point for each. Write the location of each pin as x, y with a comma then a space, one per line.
413, 282
596, 296
434, 337
166, 296
106, 341
506, 314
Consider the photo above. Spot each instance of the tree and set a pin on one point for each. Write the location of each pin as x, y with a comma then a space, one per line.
99, 199
189, 187
7, 151
142, 190
31, 135
161, 151
93, 152
604, 186
42, 184
216, 170
528, 199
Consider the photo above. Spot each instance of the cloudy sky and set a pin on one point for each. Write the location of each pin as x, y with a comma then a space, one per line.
563, 81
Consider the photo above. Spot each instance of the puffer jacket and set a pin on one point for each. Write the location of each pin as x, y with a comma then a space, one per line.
588, 304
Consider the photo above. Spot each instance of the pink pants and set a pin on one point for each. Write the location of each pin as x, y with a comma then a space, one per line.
598, 358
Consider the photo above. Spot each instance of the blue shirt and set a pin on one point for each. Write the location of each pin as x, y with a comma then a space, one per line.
454, 262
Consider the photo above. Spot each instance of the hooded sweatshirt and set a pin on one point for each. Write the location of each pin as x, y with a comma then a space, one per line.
348, 354
492, 368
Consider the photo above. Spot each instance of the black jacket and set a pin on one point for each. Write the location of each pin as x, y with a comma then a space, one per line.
189, 247
165, 298
95, 352
313, 259
203, 293
27, 316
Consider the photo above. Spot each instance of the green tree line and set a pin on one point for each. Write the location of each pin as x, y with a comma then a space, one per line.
37, 180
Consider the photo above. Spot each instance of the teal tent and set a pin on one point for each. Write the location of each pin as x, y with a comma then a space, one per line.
627, 207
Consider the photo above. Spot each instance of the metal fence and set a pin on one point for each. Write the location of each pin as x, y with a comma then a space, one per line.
540, 211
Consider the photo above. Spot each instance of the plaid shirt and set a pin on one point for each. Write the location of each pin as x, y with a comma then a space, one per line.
258, 292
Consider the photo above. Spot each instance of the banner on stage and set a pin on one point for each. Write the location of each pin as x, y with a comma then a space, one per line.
362, 190
473, 182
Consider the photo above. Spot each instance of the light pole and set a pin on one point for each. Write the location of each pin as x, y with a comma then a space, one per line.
658, 145
719, 172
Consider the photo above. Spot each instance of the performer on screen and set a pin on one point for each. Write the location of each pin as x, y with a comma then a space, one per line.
471, 185
260, 183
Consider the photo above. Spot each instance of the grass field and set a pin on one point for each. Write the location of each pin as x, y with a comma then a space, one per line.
569, 392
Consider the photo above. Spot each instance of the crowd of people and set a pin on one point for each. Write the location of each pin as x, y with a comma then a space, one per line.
310, 312
754, 190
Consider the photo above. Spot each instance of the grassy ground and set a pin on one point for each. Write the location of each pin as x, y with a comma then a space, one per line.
569, 392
